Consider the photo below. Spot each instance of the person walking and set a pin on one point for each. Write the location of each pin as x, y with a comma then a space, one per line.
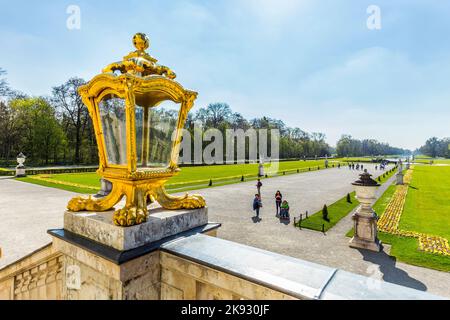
258, 186
278, 200
257, 204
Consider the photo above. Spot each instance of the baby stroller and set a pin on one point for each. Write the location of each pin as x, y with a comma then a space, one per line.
284, 214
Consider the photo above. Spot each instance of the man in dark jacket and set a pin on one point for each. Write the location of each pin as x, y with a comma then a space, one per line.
257, 204
258, 186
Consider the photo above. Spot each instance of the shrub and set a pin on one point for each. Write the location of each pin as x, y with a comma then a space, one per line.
210, 182
349, 199
325, 213
242, 179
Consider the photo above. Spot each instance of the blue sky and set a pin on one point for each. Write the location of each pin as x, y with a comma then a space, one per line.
313, 64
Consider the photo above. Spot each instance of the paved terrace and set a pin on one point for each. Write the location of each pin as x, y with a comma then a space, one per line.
27, 211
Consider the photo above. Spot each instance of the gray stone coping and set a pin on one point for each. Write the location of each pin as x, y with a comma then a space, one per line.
120, 257
161, 223
295, 277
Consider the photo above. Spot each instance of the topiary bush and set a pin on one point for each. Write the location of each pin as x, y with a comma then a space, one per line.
325, 213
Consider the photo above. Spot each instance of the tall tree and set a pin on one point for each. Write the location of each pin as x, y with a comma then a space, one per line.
41, 136
214, 114
435, 147
4, 88
9, 131
75, 115
349, 147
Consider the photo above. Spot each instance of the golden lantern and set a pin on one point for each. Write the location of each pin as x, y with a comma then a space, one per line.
138, 151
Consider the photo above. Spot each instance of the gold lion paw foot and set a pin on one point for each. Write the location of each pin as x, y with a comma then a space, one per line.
130, 216
194, 201
82, 203
186, 202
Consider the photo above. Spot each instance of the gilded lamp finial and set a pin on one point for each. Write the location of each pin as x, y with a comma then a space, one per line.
139, 62
141, 41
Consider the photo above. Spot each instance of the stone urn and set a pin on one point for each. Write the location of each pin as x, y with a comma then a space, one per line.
365, 219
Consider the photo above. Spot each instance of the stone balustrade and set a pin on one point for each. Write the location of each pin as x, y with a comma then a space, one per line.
191, 266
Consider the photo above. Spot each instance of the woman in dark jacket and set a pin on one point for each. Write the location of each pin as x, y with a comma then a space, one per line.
278, 200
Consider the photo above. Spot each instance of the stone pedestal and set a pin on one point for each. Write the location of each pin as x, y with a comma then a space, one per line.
20, 171
399, 178
99, 227
106, 188
365, 221
365, 232
105, 262
261, 170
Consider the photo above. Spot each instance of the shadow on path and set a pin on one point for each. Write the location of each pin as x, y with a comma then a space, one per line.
256, 219
390, 272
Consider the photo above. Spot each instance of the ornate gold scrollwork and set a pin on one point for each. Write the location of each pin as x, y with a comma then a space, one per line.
170, 202
139, 61
90, 203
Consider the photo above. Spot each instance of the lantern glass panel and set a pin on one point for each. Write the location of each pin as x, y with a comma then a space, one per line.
113, 118
154, 129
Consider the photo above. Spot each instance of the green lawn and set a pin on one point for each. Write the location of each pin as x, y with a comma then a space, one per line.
426, 210
90, 179
57, 186
337, 210
427, 206
435, 161
189, 177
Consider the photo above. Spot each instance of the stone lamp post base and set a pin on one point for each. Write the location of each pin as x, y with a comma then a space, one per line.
20, 171
359, 243
399, 178
365, 233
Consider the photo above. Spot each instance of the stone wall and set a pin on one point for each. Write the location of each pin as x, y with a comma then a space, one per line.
182, 279
91, 277
196, 267
80, 275
38, 276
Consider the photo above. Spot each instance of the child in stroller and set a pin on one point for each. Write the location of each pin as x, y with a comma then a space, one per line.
284, 212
